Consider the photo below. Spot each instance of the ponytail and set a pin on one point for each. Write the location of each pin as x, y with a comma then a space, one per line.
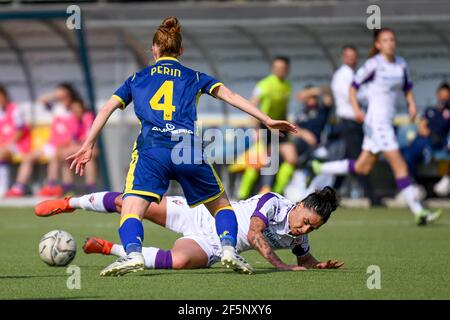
168, 37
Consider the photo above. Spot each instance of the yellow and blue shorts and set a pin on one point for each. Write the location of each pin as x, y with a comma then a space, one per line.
151, 170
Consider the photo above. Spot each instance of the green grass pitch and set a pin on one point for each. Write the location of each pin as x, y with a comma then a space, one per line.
414, 262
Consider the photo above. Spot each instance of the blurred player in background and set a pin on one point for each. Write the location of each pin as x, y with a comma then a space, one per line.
317, 105
85, 118
432, 131
271, 95
165, 96
62, 132
266, 222
387, 77
15, 138
351, 131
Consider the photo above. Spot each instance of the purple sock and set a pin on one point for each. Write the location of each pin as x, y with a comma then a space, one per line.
403, 183
52, 183
67, 187
109, 201
351, 165
163, 259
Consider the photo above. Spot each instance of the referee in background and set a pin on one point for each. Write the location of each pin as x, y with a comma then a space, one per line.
351, 131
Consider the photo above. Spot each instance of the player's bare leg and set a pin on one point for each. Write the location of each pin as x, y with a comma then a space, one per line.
230, 258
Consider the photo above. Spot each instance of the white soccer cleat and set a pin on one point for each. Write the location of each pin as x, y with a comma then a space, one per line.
433, 215
442, 188
232, 260
131, 263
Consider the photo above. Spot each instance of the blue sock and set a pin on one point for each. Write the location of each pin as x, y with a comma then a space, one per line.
131, 233
227, 226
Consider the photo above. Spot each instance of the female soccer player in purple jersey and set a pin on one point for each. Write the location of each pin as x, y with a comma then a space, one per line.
165, 96
387, 77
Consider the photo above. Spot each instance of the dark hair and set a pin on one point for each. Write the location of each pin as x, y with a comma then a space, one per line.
443, 85
285, 59
168, 37
348, 47
74, 95
4, 91
376, 34
322, 202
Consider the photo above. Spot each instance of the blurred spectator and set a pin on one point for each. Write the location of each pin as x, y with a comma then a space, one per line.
432, 131
85, 119
63, 130
272, 95
15, 136
350, 130
317, 104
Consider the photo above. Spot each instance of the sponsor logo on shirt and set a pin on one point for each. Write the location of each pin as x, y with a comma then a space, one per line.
171, 128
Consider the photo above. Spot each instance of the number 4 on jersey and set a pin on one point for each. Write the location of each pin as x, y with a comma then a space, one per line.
164, 93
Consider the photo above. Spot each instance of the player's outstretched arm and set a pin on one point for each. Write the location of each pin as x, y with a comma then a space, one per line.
243, 104
257, 240
84, 155
309, 262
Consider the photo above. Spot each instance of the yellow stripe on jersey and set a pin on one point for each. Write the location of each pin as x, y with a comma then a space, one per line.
215, 86
130, 175
120, 100
167, 58
129, 183
128, 216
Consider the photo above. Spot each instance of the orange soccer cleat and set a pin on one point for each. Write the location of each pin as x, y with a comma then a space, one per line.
14, 192
97, 245
51, 191
49, 208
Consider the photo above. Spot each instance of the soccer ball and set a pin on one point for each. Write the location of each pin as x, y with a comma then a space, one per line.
57, 248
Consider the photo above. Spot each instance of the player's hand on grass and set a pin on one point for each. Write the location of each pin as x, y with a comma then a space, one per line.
330, 264
281, 125
288, 267
80, 158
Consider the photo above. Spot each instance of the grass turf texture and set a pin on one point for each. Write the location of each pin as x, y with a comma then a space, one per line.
414, 262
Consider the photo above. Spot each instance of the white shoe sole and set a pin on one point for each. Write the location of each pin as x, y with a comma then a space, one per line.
236, 265
122, 270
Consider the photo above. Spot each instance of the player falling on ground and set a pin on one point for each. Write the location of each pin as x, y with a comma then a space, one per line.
266, 222
387, 77
165, 97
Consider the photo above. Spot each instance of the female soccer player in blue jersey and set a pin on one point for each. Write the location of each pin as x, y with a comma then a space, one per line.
165, 97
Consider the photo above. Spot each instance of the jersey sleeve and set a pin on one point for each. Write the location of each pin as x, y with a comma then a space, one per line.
265, 208
365, 74
301, 249
123, 94
207, 83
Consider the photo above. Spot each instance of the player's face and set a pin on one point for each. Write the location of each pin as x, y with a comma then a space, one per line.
63, 96
303, 221
350, 57
386, 43
443, 95
280, 68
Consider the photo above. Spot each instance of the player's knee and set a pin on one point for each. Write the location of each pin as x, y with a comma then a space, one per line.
362, 169
180, 261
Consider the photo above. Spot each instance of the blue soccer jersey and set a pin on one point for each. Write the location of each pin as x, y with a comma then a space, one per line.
165, 97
